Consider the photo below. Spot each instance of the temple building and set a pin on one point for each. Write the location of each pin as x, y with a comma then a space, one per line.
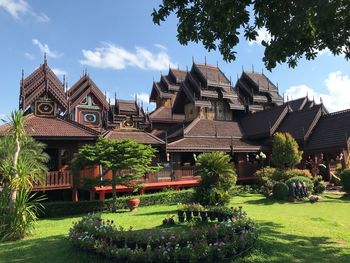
197, 110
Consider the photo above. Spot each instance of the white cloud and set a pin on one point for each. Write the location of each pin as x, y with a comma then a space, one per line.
160, 46
263, 34
19, 8
44, 48
142, 97
337, 96
42, 18
59, 72
114, 57
29, 56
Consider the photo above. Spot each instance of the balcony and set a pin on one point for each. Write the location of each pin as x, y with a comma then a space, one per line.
55, 180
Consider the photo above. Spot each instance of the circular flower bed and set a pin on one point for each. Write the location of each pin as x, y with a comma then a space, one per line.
211, 242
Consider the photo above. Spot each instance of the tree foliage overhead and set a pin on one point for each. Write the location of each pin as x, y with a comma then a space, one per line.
285, 151
296, 27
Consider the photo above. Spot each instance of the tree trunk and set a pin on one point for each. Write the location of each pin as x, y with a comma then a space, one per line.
114, 192
15, 162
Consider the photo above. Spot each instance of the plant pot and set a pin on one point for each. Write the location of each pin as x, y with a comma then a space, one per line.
120, 243
203, 213
180, 213
204, 218
131, 245
133, 204
142, 246
181, 219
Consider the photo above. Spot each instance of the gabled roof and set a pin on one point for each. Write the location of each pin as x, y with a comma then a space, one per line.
137, 136
331, 132
83, 87
42, 80
298, 104
262, 82
211, 74
53, 127
263, 123
301, 123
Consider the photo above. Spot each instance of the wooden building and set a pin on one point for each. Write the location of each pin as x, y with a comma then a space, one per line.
196, 111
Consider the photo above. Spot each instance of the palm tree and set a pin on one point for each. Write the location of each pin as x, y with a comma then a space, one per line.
218, 176
22, 162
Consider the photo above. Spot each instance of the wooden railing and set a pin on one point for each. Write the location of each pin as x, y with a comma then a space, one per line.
55, 180
64, 180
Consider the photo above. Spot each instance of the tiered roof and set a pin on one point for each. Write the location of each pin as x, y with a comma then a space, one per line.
42, 81
204, 83
83, 87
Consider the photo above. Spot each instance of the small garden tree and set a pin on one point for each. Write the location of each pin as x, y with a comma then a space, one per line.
285, 151
22, 162
218, 176
118, 156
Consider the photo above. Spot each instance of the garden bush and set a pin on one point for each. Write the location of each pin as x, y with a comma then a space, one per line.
301, 179
280, 191
221, 242
296, 172
345, 180
53, 209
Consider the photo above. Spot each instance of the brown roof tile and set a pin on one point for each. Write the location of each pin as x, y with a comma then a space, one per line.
212, 144
301, 123
263, 123
138, 136
41, 127
211, 128
164, 113
331, 132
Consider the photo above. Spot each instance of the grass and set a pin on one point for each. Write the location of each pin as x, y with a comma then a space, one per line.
290, 232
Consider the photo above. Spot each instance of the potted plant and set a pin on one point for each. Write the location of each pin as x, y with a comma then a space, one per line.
132, 203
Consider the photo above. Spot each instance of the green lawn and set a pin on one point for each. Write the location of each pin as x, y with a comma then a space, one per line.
299, 232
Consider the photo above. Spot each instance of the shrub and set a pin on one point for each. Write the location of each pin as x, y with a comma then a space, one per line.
296, 172
280, 191
345, 180
210, 242
301, 179
319, 186
285, 152
218, 176
53, 209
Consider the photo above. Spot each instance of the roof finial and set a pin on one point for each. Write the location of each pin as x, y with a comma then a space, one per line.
64, 80
22, 74
115, 95
136, 97
242, 69
321, 100
307, 95
283, 97
253, 68
192, 59
217, 64
205, 60
262, 70
45, 58
105, 94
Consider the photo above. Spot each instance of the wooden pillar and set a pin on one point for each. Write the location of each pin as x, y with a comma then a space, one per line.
328, 175
75, 197
101, 195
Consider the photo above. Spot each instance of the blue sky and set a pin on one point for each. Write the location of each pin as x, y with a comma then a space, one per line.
124, 51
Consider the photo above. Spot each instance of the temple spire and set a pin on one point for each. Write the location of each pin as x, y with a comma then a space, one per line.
45, 58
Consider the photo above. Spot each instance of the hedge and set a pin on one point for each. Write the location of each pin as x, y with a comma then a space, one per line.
345, 180
54, 209
280, 191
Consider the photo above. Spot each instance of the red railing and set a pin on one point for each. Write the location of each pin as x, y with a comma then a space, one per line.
55, 180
